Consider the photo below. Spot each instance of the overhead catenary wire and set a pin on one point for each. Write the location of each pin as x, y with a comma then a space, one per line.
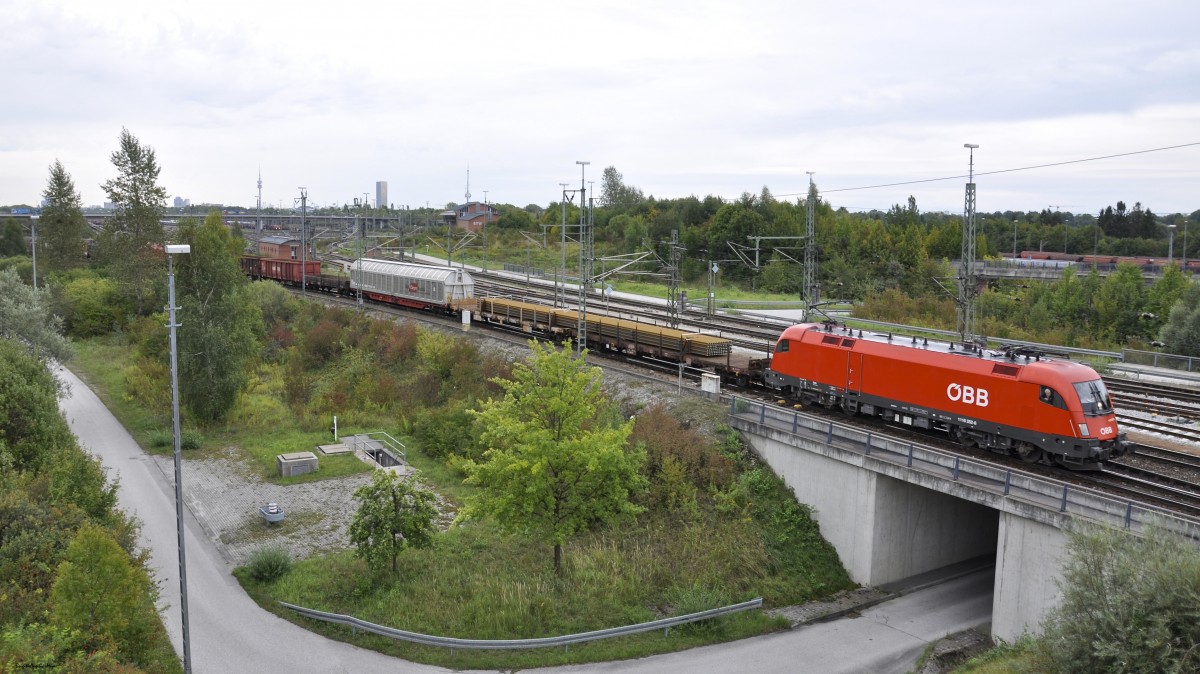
1010, 170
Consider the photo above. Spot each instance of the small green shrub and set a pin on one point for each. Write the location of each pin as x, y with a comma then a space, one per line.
188, 439
270, 563
695, 598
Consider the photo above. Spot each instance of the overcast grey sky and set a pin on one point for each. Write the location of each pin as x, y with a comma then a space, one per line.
682, 97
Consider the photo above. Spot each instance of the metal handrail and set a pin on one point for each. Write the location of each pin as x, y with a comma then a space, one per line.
499, 644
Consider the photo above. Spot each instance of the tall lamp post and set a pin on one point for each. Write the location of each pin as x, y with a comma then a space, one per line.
172, 251
1171, 244
33, 246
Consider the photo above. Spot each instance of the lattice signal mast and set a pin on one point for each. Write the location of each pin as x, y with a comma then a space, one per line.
968, 288
810, 250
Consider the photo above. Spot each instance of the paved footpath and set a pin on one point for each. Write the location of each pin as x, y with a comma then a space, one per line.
228, 631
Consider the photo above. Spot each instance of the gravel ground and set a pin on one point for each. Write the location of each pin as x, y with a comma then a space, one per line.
225, 497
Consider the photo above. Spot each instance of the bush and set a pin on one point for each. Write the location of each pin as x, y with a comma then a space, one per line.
694, 598
188, 439
1129, 604
270, 563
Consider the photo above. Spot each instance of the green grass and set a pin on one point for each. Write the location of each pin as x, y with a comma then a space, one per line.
1019, 658
477, 583
259, 429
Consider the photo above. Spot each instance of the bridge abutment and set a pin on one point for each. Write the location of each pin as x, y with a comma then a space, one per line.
890, 522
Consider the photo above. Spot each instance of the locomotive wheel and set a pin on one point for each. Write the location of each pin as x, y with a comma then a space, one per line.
958, 436
1029, 453
847, 407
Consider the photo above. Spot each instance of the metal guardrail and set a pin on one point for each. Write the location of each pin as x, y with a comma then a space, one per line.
1166, 360
565, 641
1049, 494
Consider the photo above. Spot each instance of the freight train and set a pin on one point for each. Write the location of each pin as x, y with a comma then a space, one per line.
1014, 401
419, 286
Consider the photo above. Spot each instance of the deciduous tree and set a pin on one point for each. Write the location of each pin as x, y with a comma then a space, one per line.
1121, 303
220, 327
394, 512
556, 461
61, 227
1181, 334
25, 317
12, 239
129, 242
100, 590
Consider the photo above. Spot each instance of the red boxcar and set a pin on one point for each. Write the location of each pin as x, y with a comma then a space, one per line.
290, 272
1041, 409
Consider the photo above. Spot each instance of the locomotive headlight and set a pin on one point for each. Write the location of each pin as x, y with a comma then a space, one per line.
1083, 430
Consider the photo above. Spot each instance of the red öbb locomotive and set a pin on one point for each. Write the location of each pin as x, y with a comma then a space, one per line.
1041, 409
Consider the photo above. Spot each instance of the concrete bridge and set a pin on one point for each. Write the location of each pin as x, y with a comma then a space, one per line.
895, 510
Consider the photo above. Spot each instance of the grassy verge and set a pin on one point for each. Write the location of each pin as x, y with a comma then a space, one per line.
477, 583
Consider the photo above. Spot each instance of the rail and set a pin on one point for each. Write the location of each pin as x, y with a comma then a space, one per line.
1010, 484
565, 641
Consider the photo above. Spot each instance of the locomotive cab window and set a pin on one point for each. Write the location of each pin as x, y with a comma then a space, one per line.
1093, 397
1049, 396
783, 346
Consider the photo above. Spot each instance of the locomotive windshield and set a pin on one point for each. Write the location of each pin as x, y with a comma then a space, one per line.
1093, 395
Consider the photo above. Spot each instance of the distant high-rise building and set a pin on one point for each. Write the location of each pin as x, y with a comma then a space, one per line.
178, 202
381, 200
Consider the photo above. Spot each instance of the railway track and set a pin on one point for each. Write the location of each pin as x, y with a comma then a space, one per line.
1141, 483
1168, 428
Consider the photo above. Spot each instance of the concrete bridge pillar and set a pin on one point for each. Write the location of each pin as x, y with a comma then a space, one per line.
1029, 558
884, 529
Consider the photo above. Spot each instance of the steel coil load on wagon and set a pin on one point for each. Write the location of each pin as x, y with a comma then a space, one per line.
413, 284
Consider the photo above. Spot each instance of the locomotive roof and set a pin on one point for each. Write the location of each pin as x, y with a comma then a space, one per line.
449, 275
1018, 356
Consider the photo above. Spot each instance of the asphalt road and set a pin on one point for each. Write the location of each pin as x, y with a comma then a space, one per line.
230, 633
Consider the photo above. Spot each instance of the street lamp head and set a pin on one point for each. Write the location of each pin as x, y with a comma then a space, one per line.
970, 145
583, 163
178, 249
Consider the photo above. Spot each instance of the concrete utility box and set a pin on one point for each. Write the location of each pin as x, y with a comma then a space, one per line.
711, 385
296, 463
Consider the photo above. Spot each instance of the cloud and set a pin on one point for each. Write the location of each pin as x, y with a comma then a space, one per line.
683, 97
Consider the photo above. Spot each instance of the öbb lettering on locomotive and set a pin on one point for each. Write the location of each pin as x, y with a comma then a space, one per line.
967, 394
